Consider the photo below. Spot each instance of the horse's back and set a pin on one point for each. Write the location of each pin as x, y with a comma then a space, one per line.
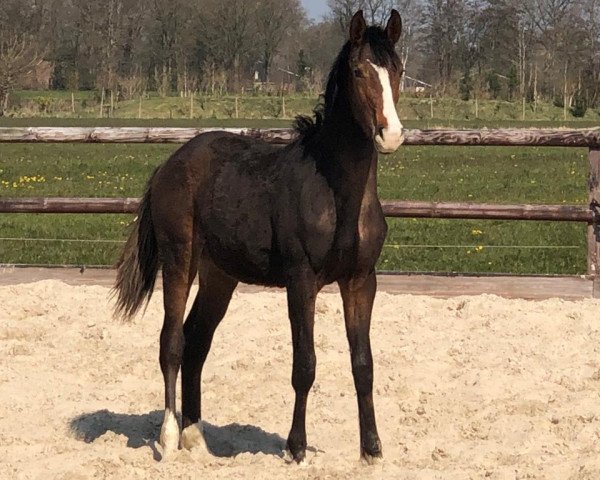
180, 186
194, 162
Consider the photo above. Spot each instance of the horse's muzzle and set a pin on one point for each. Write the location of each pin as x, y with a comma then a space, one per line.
388, 140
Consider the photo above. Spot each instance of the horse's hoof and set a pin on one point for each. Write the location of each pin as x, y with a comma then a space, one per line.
298, 459
192, 437
169, 435
371, 459
295, 454
168, 454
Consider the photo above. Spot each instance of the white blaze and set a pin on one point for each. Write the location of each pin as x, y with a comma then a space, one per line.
391, 137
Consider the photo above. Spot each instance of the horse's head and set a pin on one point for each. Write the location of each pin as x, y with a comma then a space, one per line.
375, 70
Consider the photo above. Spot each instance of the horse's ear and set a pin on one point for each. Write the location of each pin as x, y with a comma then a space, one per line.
357, 27
394, 27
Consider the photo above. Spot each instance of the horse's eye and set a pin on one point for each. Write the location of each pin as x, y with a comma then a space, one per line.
358, 73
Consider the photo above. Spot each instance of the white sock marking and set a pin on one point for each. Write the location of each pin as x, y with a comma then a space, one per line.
169, 433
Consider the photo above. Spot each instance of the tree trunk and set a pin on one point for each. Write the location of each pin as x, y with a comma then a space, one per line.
3, 100
535, 90
236, 73
522, 62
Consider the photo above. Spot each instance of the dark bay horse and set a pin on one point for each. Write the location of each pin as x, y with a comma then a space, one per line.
227, 208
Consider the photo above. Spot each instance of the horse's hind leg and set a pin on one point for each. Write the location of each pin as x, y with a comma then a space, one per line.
216, 289
178, 273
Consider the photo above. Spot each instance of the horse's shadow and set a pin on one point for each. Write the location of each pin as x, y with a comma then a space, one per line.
142, 431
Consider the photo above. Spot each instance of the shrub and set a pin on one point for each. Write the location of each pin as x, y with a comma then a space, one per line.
494, 85
579, 106
558, 101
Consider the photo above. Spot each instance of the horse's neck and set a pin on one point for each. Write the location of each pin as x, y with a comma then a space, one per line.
350, 160
354, 184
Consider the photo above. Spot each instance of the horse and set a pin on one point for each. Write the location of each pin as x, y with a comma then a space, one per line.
229, 209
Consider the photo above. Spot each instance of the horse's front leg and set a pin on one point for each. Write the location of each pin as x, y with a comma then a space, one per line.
301, 295
358, 295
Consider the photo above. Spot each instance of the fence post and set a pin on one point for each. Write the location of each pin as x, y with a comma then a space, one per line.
431, 104
283, 113
594, 228
102, 104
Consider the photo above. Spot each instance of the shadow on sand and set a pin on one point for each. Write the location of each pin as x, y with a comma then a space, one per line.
143, 431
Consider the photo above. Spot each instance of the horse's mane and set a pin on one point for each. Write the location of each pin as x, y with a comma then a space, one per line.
384, 55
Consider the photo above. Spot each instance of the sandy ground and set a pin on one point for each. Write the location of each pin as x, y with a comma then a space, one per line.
466, 388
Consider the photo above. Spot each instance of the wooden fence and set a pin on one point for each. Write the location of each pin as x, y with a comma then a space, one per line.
582, 138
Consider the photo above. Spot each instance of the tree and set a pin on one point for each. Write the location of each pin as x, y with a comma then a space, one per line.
376, 11
171, 31
229, 30
19, 50
275, 20
411, 36
512, 82
494, 85
443, 32
591, 69
543, 48
320, 42
342, 12
18, 56
465, 86
498, 26
560, 39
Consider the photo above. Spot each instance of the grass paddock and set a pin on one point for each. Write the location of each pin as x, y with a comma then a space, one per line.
475, 174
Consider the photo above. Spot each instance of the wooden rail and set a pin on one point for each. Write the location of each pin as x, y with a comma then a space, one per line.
487, 211
391, 208
589, 138
68, 205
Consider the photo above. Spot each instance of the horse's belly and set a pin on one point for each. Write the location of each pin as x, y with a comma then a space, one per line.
245, 267
238, 238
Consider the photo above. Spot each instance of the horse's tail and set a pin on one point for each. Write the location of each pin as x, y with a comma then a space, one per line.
139, 262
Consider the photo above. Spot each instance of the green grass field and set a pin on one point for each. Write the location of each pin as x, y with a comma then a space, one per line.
50, 104
478, 174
